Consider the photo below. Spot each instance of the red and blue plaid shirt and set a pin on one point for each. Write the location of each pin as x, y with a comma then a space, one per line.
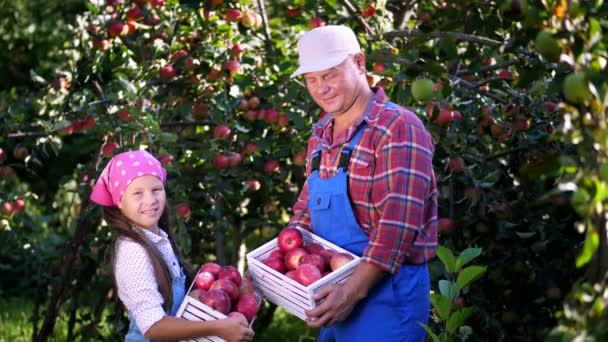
391, 183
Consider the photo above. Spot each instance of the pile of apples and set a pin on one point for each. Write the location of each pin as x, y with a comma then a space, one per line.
222, 288
304, 263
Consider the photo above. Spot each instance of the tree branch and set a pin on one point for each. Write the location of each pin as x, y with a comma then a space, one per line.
356, 12
437, 34
267, 41
488, 68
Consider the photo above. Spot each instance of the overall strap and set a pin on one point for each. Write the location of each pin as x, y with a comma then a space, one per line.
347, 150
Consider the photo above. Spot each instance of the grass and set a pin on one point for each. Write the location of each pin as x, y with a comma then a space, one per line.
15, 325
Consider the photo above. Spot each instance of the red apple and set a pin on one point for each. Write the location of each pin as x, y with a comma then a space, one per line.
316, 22
250, 148
456, 165
293, 256
227, 286
314, 259
212, 268
20, 152
314, 248
458, 303
251, 20
370, 11
247, 305
290, 238
8, 208
253, 184
233, 14
221, 161
445, 225
339, 259
166, 159
238, 315
196, 294
117, 28
276, 264
167, 73
276, 253
521, 124
246, 286
230, 273
271, 166
233, 66
237, 51
292, 274
254, 102
107, 150
204, 280
6, 171
179, 55
221, 131
235, 159
183, 210
134, 14
2, 154
293, 12
327, 254
307, 274
378, 68
124, 115
217, 300
271, 115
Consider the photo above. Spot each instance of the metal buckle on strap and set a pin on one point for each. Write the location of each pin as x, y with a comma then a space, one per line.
316, 161
344, 157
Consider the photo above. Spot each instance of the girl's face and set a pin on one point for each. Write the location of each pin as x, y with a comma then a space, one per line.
143, 202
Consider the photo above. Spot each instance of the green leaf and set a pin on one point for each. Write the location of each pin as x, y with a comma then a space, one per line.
468, 275
457, 319
448, 289
428, 330
442, 304
592, 241
466, 256
447, 258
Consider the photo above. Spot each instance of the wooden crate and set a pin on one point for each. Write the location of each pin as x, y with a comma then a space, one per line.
194, 310
286, 292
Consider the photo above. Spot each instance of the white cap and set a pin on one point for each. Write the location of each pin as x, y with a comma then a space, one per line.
325, 47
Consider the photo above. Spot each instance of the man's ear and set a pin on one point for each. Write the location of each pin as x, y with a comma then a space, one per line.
359, 60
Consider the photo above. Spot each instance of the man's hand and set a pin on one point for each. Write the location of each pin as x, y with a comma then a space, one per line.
336, 305
339, 300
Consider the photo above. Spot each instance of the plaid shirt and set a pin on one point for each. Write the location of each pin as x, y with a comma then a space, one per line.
391, 183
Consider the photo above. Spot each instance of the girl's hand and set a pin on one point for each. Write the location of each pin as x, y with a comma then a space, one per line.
234, 329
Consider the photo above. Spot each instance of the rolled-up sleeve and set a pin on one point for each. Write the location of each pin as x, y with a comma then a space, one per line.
136, 283
401, 181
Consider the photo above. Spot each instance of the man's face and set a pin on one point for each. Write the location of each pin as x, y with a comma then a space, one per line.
335, 89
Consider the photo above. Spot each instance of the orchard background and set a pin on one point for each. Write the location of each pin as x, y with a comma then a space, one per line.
518, 113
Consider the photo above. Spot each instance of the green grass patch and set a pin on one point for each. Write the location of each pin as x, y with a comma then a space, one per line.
286, 327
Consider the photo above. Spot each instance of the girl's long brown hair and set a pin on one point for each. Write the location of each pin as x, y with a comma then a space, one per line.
122, 228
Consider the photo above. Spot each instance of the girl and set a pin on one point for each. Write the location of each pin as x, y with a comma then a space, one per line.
148, 268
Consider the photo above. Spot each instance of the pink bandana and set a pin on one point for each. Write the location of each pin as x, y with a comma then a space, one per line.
121, 170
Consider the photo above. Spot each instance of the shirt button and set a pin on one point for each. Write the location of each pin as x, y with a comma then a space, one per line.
318, 200
174, 263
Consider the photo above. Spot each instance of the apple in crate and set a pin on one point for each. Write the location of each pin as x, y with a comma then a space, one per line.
292, 274
292, 258
290, 238
314, 259
327, 254
196, 294
230, 273
212, 268
314, 248
217, 300
338, 260
204, 280
237, 315
307, 274
247, 305
227, 286
246, 286
276, 264
276, 253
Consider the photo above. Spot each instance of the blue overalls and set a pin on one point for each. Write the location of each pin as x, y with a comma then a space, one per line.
178, 285
398, 302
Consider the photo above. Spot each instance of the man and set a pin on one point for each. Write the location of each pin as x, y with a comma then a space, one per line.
371, 190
